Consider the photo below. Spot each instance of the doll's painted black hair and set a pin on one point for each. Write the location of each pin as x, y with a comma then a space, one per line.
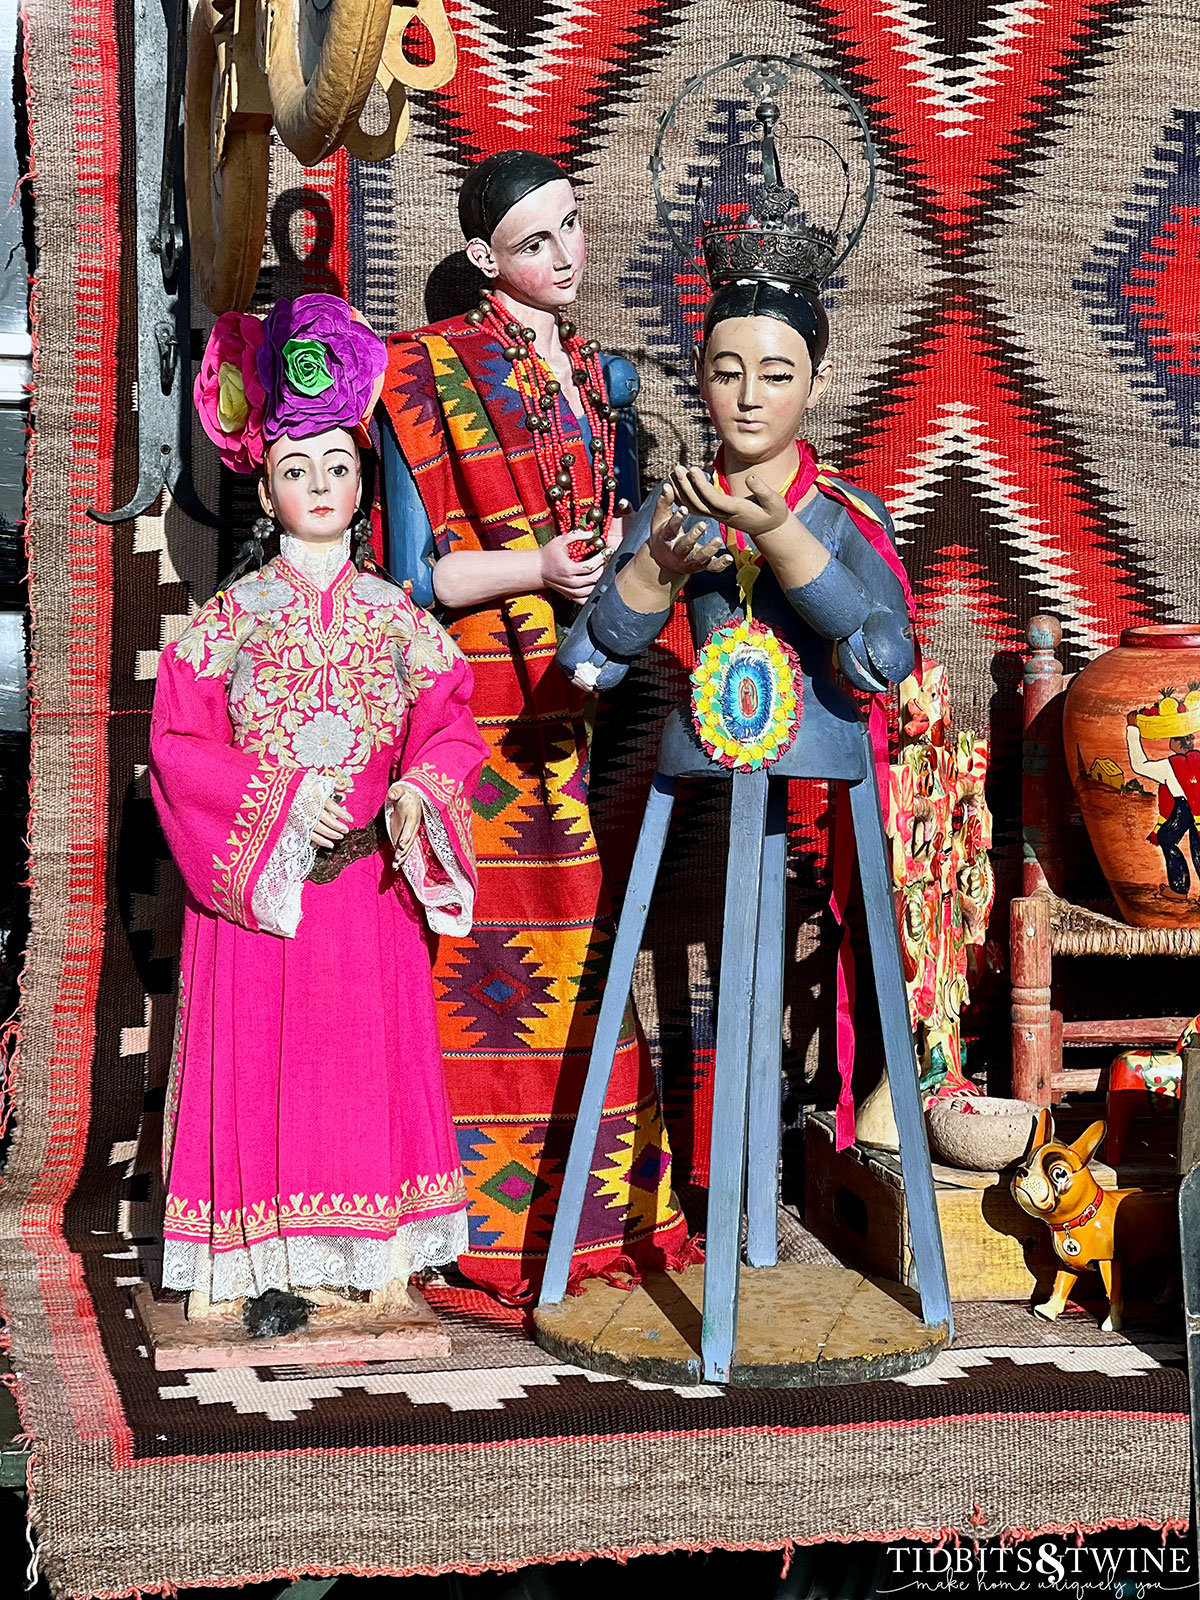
801, 309
494, 187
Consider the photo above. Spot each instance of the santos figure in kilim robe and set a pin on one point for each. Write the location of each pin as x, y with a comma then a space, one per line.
504, 429
312, 759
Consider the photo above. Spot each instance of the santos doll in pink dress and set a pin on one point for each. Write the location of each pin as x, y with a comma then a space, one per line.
313, 760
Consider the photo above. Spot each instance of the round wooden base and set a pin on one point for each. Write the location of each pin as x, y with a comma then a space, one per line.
797, 1326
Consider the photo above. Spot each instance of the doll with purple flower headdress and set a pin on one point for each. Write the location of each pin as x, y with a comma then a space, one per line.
313, 759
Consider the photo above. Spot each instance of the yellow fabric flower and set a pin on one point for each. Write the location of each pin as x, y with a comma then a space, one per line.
232, 409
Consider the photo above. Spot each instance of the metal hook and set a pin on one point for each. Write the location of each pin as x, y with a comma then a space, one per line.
163, 305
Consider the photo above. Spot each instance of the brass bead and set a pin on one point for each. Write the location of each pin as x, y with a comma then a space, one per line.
568, 458
522, 351
563, 480
474, 318
510, 352
553, 386
610, 484
580, 378
554, 494
529, 335
513, 330
592, 516
567, 329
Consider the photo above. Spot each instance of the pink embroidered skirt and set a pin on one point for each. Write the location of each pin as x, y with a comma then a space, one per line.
308, 1133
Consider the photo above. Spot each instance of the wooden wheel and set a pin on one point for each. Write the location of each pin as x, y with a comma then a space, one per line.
226, 167
322, 58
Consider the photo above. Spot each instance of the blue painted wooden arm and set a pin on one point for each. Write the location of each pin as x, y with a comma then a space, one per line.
857, 600
412, 551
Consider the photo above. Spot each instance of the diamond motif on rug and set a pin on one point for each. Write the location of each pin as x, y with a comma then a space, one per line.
514, 1187
500, 991
493, 794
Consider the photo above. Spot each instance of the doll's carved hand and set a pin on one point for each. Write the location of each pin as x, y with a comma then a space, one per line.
404, 819
333, 824
756, 514
566, 576
680, 553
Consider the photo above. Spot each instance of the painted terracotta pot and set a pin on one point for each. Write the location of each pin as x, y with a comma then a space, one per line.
1131, 726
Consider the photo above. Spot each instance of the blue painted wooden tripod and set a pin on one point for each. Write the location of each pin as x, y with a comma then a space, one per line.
744, 1161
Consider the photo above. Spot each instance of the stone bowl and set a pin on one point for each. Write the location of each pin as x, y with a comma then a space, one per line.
978, 1133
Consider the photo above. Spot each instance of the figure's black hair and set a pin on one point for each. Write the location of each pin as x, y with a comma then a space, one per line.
493, 188
801, 309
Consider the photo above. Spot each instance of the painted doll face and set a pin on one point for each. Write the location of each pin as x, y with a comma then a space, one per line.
312, 486
537, 252
757, 381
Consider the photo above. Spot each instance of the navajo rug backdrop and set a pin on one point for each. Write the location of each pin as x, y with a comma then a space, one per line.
1018, 363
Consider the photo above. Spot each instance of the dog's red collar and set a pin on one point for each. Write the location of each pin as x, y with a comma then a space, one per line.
1086, 1215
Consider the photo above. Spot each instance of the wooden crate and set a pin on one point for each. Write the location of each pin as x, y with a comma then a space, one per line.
854, 1203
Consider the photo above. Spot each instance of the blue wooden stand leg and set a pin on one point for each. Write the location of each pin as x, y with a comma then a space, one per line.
898, 1051
608, 1033
766, 1040
731, 1089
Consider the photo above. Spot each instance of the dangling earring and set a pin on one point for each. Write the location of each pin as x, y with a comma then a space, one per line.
361, 553
252, 551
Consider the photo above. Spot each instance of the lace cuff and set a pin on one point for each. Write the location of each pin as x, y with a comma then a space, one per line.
435, 873
276, 902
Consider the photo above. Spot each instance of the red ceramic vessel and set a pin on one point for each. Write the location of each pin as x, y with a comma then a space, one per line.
1131, 727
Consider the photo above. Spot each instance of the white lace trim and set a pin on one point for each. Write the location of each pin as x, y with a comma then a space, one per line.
320, 564
315, 1261
276, 902
449, 907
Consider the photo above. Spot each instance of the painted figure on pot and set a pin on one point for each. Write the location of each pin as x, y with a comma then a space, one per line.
312, 759
1130, 722
507, 451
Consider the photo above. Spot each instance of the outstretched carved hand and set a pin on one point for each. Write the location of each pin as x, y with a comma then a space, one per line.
678, 553
756, 515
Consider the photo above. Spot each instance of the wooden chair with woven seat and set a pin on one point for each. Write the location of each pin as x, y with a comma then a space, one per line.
1045, 926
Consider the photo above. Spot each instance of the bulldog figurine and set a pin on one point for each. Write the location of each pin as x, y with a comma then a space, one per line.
1089, 1226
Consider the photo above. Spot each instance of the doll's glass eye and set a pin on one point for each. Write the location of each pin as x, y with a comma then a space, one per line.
339, 470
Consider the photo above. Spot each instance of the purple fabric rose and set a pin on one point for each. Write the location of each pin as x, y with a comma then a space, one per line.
309, 339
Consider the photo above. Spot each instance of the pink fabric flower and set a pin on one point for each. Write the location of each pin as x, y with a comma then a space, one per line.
228, 393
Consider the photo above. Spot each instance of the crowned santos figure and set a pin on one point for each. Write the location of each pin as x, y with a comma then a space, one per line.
795, 592
507, 449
